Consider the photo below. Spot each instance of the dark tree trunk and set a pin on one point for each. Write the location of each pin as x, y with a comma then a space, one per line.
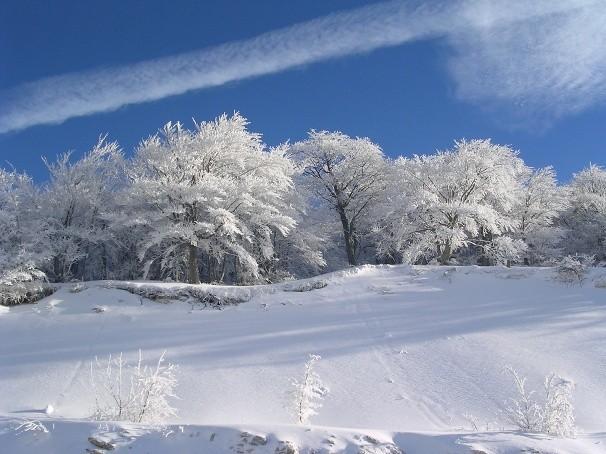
193, 277
486, 237
446, 253
57, 269
350, 239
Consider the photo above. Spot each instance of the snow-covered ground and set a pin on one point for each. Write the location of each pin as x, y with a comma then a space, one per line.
413, 356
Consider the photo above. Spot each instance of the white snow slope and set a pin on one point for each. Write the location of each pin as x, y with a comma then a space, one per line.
407, 353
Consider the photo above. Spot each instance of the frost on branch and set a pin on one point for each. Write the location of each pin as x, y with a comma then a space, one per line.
307, 393
31, 425
553, 415
137, 393
523, 411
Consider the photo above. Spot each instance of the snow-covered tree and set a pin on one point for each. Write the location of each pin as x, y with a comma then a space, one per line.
455, 198
585, 218
536, 213
346, 174
307, 393
22, 250
214, 203
215, 190
73, 206
300, 254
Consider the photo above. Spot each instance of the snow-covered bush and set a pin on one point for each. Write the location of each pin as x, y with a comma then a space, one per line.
572, 269
558, 412
137, 393
553, 415
25, 284
307, 393
24, 293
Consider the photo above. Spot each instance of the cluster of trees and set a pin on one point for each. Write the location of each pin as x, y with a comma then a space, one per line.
214, 204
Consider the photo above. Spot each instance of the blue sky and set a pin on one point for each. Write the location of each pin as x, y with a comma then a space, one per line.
412, 76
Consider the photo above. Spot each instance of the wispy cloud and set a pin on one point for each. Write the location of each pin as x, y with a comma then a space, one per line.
547, 64
516, 50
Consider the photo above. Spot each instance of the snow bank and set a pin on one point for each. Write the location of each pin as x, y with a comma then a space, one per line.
61, 436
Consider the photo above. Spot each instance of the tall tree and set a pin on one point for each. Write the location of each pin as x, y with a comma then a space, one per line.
345, 173
215, 190
73, 204
22, 250
586, 216
452, 199
536, 212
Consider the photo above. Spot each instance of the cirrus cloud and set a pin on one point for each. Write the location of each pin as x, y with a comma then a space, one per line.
545, 55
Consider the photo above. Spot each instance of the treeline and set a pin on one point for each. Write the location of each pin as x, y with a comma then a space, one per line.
214, 204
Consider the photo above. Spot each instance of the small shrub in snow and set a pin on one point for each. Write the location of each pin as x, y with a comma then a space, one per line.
137, 393
523, 411
307, 393
558, 413
553, 416
572, 269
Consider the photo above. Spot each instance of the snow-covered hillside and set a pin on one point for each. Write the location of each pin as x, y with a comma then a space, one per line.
412, 355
